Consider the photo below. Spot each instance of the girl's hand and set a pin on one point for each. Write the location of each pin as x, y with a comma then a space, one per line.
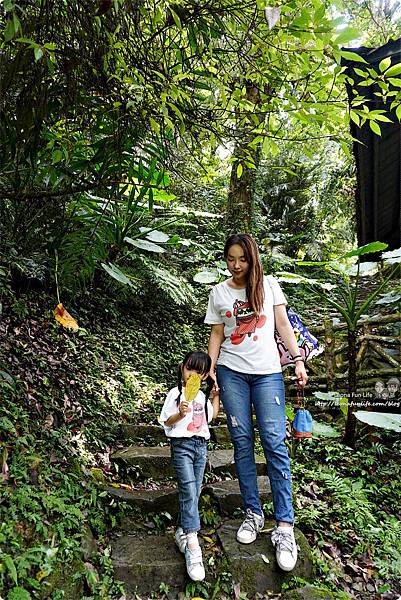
183, 408
300, 373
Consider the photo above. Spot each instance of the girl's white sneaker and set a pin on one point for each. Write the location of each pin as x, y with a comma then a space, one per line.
180, 539
194, 560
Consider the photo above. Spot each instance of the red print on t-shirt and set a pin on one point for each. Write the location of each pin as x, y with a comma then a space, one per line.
247, 322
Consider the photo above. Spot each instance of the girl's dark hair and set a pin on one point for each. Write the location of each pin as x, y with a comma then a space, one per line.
201, 363
254, 286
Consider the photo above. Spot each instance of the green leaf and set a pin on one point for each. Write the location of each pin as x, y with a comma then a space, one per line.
346, 35
367, 249
382, 118
395, 82
352, 56
393, 71
239, 170
289, 413
8, 5
8, 561
9, 30
154, 125
115, 272
382, 420
375, 127
206, 276
324, 430
365, 269
9, 379
17, 23
176, 18
390, 298
392, 257
23, 40
144, 245
398, 112
354, 117
384, 64
38, 53
18, 593
155, 235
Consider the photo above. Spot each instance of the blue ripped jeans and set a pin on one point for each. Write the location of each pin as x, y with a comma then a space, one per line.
189, 456
239, 392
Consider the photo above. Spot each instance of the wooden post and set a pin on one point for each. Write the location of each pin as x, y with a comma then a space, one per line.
329, 354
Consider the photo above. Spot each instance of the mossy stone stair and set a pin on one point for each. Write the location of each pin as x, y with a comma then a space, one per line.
142, 561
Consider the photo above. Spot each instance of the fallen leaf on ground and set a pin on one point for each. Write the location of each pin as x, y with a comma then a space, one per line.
64, 318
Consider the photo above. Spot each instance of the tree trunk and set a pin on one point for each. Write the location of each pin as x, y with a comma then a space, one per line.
240, 205
240, 215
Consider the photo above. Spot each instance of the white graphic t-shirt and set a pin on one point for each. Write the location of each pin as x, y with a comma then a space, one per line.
194, 422
249, 345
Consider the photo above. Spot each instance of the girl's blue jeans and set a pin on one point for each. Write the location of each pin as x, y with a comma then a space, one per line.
239, 392
189, 460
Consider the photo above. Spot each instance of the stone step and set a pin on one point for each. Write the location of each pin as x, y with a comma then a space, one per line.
254, 566
228, 496
142, 563
151, 461
154, 461
155, 433
134, 432
164, 499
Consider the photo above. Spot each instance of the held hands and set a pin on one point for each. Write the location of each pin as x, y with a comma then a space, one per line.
215, 388
300, 373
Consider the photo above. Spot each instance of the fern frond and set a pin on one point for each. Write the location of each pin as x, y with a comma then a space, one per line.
168, 280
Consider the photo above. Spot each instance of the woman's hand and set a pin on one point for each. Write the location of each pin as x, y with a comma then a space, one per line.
301, 374
215, 388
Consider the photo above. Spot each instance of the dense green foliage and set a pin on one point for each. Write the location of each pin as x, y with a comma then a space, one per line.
122, 124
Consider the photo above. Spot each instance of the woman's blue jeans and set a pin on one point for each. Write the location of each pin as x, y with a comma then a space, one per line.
240, 392
189, 460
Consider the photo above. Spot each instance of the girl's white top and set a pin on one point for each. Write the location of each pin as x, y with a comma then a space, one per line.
194, 422
249, 345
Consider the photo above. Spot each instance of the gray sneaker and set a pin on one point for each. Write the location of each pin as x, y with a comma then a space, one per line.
250, 528
286, 547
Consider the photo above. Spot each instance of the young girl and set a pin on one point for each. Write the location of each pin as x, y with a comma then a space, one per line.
186, 425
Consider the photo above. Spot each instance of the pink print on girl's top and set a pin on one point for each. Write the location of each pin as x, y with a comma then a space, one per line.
198, 417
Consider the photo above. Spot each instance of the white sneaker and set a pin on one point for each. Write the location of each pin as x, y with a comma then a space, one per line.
250, 528
180, 539
195, 568
286, 547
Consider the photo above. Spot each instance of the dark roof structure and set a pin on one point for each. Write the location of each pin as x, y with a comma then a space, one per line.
378, 158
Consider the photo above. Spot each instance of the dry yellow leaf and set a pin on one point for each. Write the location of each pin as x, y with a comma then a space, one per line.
192, 387
64, 318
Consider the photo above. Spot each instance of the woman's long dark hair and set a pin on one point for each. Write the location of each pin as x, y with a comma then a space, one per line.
254, 286
201, 363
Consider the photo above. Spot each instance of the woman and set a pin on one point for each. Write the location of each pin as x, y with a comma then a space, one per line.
243, 311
